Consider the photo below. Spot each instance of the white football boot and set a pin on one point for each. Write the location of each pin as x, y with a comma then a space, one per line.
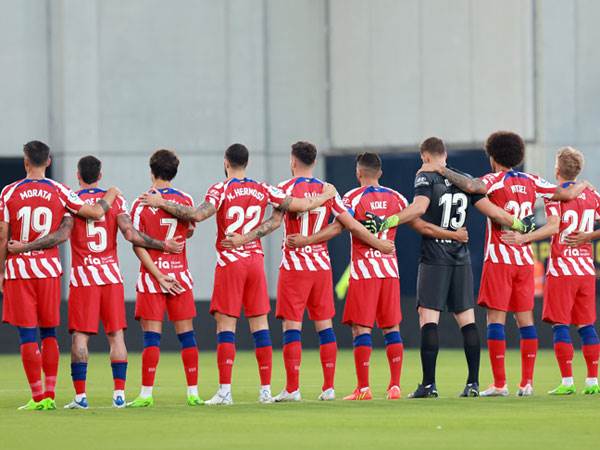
264, 395
285, 396
494, 391
327, 395
525, 391
220, 398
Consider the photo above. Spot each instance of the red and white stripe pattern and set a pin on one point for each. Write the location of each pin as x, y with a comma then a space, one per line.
27, 268
146, 283
300, 260
364, 269
225, 257
578, 266
100, 275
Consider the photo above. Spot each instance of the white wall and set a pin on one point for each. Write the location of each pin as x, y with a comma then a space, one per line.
120, 79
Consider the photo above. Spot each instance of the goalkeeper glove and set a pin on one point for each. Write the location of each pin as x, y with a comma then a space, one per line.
376, 224
525, 225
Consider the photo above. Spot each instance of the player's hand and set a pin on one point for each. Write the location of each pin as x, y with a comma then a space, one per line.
461, 235
296, 241
175, 245
513, 238
431, 167
329, 190
577, 238
233, 240
16, 246
113, 190
152, 198
170, 284
386, 247
373, 222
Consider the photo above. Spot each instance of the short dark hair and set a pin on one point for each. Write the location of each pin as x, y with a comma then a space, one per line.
370, 161
37, 153
506, 148
305, 152
237, 155
433, 146
89, 168
164, 164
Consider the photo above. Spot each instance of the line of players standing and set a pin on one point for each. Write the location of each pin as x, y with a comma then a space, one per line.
32, 211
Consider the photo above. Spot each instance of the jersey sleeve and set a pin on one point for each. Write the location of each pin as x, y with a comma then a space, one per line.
552, 208
136, 215
69, 198
337, 206
423, 185
543, 188
347, 202
401, 201
4, 214
597, 197
215, 195
275, 195
120, 206
489, 180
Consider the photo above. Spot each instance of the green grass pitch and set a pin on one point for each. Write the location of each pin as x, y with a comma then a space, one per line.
444, 423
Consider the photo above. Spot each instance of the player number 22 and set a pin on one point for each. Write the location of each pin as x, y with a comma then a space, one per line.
239, 215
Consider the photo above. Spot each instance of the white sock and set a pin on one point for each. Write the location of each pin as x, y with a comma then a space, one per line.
224, 388
79, 397
146, 392
265, 387
192, 390
567, 381
118, 393
591, 381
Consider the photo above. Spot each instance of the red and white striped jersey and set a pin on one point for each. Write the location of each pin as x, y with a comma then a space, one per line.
240, 206
34, 209
161, 225
384, 202
579, 214
515, 192
94, 259
312, 257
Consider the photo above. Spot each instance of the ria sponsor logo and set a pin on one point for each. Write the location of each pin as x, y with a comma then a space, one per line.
90, 260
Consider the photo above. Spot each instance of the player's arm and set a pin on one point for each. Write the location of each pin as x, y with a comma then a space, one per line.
3, 251
465, 183
183, 212
140, 239
360, 232
581, 237
433, 231
502, 217
50, 240
294, 204
325, 234
571, 192
169, 283
416, 209
549, 229
235, 240
101, 207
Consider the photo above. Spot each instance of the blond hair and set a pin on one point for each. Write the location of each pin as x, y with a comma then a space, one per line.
569, 162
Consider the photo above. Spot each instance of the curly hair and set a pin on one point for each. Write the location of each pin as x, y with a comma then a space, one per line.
506, 148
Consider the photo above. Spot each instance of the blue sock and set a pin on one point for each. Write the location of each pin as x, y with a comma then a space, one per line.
262, 338
528, 332
47, 332
151, 339
187, 339
495, 332
27, 335
588, 335
226, 337
290, 336
326, 336
393, 337
560, 333
363, 340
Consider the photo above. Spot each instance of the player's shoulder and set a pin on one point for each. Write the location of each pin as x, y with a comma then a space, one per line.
425, 179
10, 188
394, 193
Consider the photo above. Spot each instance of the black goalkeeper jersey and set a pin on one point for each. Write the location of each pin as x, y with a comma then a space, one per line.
448, 208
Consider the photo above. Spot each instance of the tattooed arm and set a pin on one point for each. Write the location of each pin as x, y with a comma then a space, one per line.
170, 284
50, 240
101, 207
202, 212
140, 239
235, 240
294, 204
463, 182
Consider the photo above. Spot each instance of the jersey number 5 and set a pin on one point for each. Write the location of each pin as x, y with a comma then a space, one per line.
95, 229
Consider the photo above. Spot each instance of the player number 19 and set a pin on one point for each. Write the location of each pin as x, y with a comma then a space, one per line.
39, 220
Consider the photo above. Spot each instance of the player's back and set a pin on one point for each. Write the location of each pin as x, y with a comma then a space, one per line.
579, 214
515, 192
368, 262
161, 225
312, 257
94, 258
35, 208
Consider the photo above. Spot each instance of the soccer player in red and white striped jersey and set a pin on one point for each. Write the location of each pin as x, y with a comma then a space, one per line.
507, 281
570, 289
165, 284
239, 204
32, 209
305, 280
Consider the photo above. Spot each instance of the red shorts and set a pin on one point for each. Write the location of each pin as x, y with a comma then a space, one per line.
298, 290
376, 299
242, 283
570, 300
153, 306
90, 304
507, 287
32, 303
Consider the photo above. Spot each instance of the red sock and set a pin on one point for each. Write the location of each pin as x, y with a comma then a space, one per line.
189, 356
264, 359
529, 349
150, 357
50, 357
362, 355
497, 351
395, 353
328, 354
225, 359
591, 353
292, 357
32, 363
564, 356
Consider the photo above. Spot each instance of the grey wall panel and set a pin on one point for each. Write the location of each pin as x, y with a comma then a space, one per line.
24, 76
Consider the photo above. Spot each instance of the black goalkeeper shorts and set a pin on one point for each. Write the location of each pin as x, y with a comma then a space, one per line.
445, 288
